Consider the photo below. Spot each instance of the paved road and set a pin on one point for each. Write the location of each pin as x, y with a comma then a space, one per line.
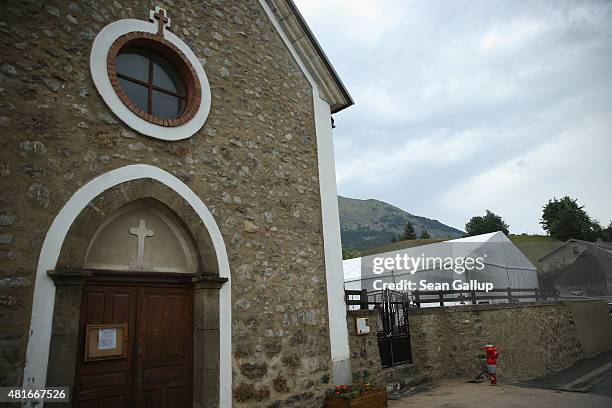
604, 387
538, 393
460, 394
551, 382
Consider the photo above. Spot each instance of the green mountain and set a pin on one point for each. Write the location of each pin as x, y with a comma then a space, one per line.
369, 224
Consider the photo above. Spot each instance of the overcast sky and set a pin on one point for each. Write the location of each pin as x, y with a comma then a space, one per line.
463, 106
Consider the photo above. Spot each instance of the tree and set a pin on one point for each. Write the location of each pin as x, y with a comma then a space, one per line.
607, 233
596, 231
409, 232
349, 253
564, 219
490, 222
425, 234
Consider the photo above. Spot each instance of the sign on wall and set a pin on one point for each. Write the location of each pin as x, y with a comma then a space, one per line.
362, 326
106, 341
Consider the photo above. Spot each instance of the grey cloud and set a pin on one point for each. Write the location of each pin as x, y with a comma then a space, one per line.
494, 82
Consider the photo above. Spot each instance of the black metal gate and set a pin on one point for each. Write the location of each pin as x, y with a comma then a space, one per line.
393, 330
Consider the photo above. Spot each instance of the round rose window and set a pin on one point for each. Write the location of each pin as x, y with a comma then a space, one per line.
153, 79
151, 82
150, 78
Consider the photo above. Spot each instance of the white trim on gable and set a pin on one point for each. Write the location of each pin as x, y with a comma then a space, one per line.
288, 43
297, 32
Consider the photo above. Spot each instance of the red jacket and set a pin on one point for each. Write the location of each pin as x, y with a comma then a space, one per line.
492, 354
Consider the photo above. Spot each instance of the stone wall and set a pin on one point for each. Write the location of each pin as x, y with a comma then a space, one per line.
365, 358
254, 164
533, 339
593, 325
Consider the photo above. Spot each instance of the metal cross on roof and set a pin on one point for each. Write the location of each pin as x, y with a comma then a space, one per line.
162, 18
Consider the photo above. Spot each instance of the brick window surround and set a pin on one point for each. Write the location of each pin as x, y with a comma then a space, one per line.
157, 44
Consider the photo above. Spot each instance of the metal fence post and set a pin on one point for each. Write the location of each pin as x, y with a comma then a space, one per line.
363, 299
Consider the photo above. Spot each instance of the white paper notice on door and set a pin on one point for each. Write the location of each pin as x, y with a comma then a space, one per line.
107, 339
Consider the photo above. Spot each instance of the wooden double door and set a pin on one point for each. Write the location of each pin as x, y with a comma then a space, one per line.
157, 370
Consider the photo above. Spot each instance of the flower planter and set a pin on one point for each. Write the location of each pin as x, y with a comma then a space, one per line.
367, 399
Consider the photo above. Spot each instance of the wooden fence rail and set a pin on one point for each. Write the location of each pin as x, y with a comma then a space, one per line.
363, 299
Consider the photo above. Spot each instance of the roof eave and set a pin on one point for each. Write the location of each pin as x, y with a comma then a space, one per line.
573, 240
331, 88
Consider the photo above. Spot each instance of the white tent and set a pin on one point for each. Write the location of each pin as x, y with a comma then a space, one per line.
503, 264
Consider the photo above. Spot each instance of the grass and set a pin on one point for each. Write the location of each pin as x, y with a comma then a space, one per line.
394, 246
532, 246
531, 238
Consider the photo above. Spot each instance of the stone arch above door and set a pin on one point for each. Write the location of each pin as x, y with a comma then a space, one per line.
109, 238
150, 196
76, 222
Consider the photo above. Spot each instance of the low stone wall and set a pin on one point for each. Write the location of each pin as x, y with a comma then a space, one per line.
533, 339
365, 358
593, 325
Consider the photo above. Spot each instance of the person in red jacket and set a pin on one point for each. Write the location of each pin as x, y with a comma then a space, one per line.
492, 354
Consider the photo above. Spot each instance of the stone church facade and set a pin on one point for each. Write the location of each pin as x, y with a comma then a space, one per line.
173, 236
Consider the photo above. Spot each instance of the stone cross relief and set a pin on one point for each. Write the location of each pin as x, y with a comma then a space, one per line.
162, 18
141, 233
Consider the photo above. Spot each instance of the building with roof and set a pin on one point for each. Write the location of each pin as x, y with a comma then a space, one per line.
169, 216
578, 267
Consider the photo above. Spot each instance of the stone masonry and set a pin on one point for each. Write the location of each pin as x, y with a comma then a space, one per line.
533, 339
365, 358
254, 164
